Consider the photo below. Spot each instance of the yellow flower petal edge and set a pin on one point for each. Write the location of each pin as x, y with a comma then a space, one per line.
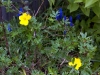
77, 63
24, 19
25, 23
71, 64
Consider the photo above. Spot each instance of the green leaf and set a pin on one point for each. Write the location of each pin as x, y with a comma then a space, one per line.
71, 1
1, 29
89, 2
29, 37
78, 1
96, 19
83, 72
20, 30
83, 24
51, 2
99, 3
97, 12
84, 35
72, 7
86, 11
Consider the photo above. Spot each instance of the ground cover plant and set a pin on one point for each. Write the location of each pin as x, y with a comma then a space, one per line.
64, 39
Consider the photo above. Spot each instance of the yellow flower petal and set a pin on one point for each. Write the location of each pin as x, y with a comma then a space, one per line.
21, 22
20, 17
77, 60
28, 17
25, 23
24, 14
70, 64
77, 67
77, 63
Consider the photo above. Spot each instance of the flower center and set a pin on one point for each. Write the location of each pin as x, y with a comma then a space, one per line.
24, 18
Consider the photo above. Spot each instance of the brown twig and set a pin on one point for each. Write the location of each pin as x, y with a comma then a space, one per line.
15, 7
39, 8
5, 38
64, 60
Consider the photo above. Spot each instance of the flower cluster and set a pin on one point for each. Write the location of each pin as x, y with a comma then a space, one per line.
59, 16
77, 63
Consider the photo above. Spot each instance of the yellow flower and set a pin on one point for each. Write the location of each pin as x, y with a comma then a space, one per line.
24, 19
77, 63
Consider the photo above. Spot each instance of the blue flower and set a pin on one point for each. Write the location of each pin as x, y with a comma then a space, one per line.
71, 21
20, 12
9, 27
78, 17
64, 32
65, 18
59, 16
71, 24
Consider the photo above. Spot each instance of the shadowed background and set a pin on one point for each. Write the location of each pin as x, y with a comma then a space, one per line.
32, 4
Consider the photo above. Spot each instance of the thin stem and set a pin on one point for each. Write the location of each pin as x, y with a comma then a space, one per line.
15, 7
39, 8
97, 70
5, 38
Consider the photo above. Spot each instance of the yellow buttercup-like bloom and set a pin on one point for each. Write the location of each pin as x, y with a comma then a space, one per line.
77, 63
24, 19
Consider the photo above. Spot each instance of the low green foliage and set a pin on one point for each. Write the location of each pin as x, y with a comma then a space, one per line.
49, 42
